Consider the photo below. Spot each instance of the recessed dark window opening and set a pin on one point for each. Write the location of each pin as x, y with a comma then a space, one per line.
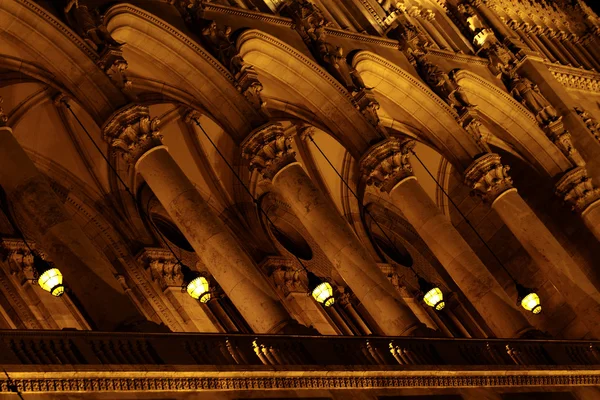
292, 240
395, 251
171, 232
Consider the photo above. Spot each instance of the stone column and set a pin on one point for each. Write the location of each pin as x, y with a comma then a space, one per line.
87, 272
269, 152
132, 132
545, 37
577, 190
489, 178
387, 166
560, 39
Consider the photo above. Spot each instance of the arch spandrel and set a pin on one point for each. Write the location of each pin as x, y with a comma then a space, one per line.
309, 86
518, 126
183, 63
408, 95
45, 42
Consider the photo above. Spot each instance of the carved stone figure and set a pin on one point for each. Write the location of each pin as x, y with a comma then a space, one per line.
89, 25
441, 83
528, 94
306, 16
332, 58
219, 42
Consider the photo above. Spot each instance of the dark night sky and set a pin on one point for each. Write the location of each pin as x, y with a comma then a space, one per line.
595, 4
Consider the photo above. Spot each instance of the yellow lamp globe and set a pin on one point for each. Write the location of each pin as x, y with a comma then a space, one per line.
50, 278
432, 295
198, 288
529, 299
320, 290
195, 285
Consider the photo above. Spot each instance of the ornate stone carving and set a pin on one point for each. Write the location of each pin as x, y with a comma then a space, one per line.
387, 163
488, 178
310, 24
269, 150
132, 132
285, 275
368, 106
3, 117
19, 258
441, 83
577, 189
528, 94
557, 133
591, 122
90, 26
162, 267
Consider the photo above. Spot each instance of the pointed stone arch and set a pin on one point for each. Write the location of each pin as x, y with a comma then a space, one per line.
192, 69
55, 52
310, 87
518, 125
435, 119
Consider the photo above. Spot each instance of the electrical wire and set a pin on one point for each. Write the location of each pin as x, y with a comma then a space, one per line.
254, 200
464, 217
12, 386
365, 209
141, 210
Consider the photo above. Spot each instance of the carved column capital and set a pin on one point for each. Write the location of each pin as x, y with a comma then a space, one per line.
488, 178
191, 116
577, 189
269, 149
305, 131
286, 275
132, 132
19, 258
387, 163
162, 267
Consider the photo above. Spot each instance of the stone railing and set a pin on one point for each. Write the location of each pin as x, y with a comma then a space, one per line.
92, 348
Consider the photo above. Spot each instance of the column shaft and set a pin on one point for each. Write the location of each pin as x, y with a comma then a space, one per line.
344, 250
461, 262
577, 289
86, 270
214, 244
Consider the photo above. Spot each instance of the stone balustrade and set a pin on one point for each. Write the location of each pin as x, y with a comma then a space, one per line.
95, 348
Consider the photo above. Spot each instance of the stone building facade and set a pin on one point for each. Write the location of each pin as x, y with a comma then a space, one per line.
384, 147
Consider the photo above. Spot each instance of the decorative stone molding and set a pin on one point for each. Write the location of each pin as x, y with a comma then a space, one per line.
132, 132
488, 178
387, 163
368, 106
269, 149
157, 381
161, 266
577, 189
575, 78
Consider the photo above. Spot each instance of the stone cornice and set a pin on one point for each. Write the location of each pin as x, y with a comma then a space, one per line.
218, 379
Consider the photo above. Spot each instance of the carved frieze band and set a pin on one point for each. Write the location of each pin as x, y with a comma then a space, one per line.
132, 384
